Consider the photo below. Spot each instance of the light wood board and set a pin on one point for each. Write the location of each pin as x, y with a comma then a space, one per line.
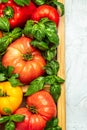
61, 58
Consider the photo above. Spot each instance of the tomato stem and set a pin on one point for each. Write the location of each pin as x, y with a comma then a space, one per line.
8, 12
27, 56
3, 94
32, 109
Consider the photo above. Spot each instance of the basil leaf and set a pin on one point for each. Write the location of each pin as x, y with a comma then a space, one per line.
52, 79
40, 45
60, 7
2, 68
2, 77
17, 117
4, 24
38, 31
52, 36
10, 126
14, 81
9, 71
28, 28
4, 119
3, 1
50, 54
52, 67
52, 124
55, 91
39, 2
35, 86
22, 2
7, 110
16, 33
49, 24
9, 38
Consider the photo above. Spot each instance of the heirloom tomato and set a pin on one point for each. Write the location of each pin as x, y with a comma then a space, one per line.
26, 60
40, 109
46, 11
10, 98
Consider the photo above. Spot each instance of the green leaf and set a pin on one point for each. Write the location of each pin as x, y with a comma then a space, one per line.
52, 79
9, 38
52, 124
22, 2
60, 7
4, 119
3, 1
55, 91
52, 36
16, 33
2, 68
50, 54
35, 86
28, 28
10, 71
4, 24
52, 67
39, 2
40, 45
2, 77
38, 31
10, 126
49, 24
14, 81
17, 117
7, 110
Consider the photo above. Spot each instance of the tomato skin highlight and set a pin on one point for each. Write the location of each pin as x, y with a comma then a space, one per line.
46, 11
40, 109
27, 69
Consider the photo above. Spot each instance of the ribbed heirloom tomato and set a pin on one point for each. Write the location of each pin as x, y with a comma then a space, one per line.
10, 98
40, 109
46, 11
26, 60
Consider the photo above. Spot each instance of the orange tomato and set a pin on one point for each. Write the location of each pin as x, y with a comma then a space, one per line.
10, 98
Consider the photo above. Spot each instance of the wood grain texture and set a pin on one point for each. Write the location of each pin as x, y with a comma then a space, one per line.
61, 58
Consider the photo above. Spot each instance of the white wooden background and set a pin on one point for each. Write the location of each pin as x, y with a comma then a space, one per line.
76, 64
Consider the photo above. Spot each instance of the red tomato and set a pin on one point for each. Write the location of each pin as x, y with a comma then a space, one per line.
26, 60
46, 11
41, 108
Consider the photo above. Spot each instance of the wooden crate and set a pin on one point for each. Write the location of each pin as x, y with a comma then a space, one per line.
61, 58
61, 105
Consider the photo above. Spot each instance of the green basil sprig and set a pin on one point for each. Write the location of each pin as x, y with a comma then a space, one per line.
39, 2
53, 124
35, 86
7, 74
4, 24
10, 125
22, 2
9, 38
10, 121
3, 1
44, 29
52, 67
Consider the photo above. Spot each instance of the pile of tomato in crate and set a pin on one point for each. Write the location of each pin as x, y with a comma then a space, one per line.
28, 51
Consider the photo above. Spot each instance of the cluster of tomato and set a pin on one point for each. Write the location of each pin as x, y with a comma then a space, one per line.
28, 63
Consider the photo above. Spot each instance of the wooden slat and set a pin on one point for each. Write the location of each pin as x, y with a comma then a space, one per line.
61, 58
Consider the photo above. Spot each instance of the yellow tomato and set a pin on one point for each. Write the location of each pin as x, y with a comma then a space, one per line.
10, 98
